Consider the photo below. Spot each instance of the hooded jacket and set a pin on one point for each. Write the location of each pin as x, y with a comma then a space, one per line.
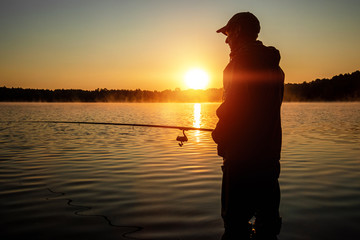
248, 132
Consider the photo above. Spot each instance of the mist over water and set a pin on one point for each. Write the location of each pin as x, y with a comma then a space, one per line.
62, 181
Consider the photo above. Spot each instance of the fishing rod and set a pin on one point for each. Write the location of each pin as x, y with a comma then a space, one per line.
181, 139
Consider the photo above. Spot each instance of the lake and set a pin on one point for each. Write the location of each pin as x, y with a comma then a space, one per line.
76, 181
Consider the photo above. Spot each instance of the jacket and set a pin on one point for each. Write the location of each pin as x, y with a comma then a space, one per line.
249, 132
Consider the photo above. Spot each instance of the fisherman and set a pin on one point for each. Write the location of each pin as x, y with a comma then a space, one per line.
249, 133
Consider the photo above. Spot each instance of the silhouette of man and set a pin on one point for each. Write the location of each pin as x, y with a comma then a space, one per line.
249, 133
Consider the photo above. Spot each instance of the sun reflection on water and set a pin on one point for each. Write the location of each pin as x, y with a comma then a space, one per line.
197, 120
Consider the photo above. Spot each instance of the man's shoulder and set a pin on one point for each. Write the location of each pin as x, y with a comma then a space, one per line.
258, 56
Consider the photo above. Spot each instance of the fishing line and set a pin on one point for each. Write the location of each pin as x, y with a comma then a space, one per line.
86, 208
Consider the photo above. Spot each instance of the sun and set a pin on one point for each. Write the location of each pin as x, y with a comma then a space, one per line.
196, 78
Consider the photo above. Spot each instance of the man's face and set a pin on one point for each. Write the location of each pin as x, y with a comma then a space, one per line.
231, 39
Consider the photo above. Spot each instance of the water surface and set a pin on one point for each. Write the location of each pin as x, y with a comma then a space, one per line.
62, 181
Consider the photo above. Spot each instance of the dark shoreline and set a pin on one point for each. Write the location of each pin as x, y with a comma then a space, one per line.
340, 88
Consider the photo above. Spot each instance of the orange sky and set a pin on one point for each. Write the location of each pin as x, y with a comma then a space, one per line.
151, 44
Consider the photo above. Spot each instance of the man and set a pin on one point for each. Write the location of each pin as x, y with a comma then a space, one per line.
248, 132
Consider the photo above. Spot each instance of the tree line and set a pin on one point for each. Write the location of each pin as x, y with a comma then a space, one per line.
343, 87
105, 95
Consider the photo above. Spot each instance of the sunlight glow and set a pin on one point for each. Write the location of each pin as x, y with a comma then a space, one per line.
197, 115
196, 78
197, 120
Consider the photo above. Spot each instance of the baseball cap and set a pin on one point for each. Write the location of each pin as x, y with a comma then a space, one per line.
244, 20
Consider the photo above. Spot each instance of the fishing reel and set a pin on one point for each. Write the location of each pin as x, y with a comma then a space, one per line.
182, 139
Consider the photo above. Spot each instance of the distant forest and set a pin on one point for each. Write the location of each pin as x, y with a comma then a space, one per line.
343, 87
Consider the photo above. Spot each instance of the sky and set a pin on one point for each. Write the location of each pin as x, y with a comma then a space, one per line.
151, 44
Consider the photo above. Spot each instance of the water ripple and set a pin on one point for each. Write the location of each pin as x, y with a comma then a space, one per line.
98, 182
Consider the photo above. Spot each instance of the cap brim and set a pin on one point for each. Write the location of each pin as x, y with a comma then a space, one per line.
222, 30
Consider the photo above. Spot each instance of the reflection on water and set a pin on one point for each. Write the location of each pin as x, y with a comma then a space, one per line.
62, 181
197, 120
197, 115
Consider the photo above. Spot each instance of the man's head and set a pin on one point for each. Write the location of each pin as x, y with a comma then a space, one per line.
243, 26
